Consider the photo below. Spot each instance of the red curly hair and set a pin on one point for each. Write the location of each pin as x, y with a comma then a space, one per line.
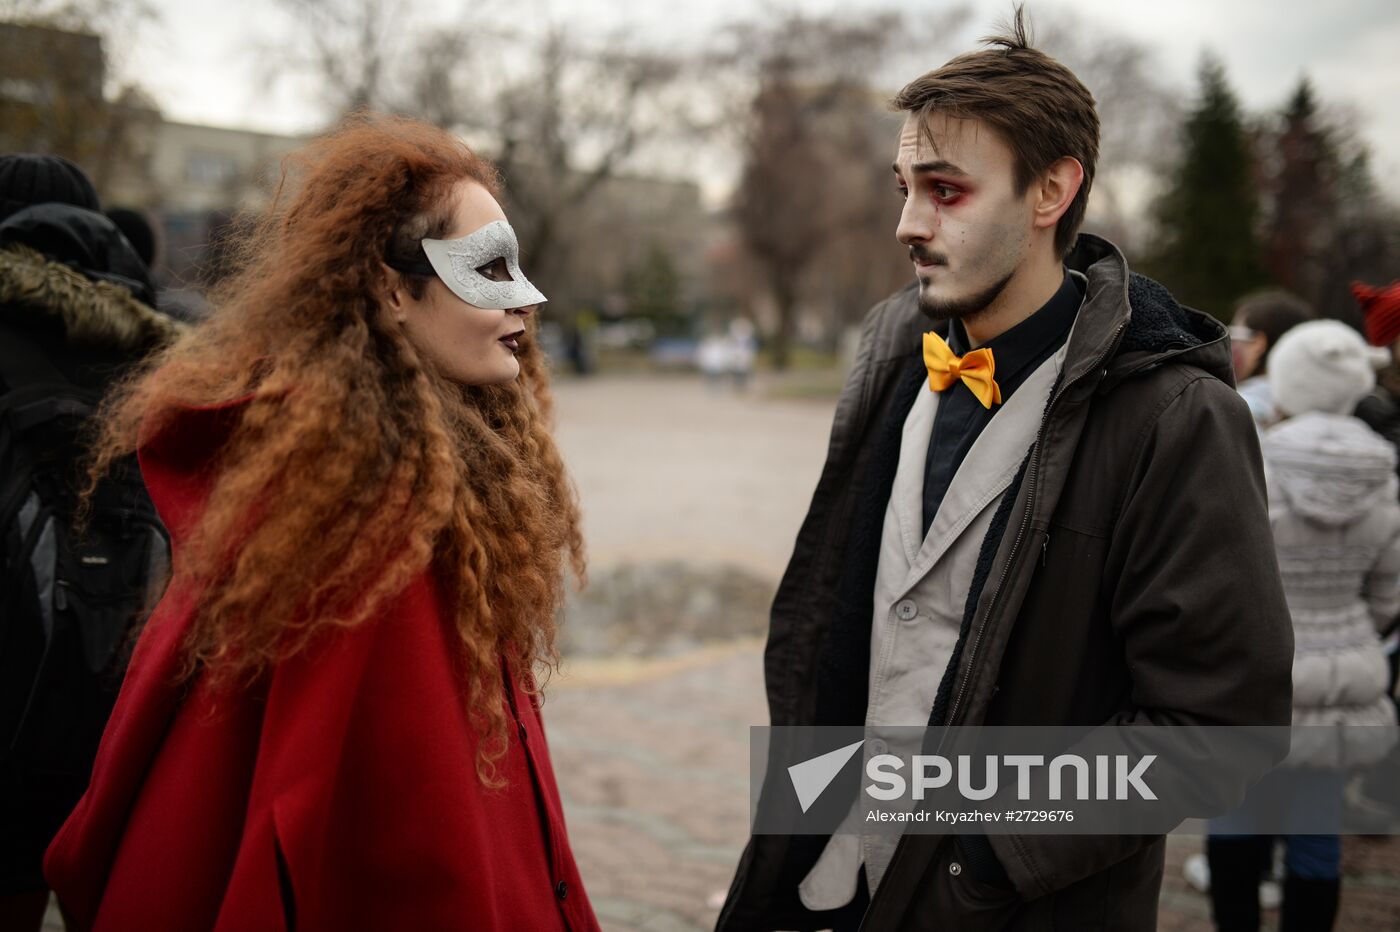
366, 466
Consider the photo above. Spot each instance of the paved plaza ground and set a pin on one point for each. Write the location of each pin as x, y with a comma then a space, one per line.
669, 469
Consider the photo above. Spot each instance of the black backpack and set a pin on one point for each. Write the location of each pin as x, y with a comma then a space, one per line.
70, 603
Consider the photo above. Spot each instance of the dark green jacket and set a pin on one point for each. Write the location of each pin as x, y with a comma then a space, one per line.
1128, 576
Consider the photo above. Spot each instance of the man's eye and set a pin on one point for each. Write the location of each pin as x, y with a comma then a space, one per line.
903, 192
495, 270
942, 192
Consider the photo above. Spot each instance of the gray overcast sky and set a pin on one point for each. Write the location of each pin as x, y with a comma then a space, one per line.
200, 62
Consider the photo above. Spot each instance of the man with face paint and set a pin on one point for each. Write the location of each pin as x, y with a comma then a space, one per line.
1043, 504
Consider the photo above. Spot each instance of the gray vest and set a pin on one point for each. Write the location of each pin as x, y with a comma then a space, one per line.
920, 592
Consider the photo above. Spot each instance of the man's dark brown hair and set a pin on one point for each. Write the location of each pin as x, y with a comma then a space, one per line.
1037, 104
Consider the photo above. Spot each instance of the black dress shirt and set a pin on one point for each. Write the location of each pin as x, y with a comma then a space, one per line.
1016, 354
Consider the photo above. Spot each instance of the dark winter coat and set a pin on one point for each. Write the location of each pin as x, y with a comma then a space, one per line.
71, 298
1381, 409
1128, 576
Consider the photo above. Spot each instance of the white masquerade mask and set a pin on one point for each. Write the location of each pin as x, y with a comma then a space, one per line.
456, 262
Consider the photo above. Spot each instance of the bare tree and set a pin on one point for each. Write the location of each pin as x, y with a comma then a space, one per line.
562, 112
814, 191
1138, 115
1361, 224
348, 49
779, 218
560, 108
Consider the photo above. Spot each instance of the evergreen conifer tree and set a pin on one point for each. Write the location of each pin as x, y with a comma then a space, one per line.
1302, 189
1206, 249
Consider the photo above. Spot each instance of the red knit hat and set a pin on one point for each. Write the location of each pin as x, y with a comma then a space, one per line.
1380, 310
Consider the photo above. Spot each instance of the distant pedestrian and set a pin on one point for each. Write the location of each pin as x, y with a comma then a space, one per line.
1259, 321
742, 345
712, 359
331, 720
583, 343
74, 317
1336, 524
137, 229
1377, 798
1380, 310
27, 179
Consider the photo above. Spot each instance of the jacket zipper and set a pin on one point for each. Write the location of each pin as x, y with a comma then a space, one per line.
1034, 474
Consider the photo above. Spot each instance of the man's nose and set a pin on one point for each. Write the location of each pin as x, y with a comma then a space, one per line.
913, 226
525, 311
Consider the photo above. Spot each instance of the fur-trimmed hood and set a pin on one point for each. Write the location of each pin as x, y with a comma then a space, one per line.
99, 314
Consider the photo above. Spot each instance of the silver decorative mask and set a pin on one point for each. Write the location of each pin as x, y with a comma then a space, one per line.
456, 262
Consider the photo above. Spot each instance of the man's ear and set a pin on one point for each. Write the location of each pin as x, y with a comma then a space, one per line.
1055, 191
397, 295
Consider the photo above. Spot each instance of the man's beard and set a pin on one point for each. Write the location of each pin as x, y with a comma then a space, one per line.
961, 309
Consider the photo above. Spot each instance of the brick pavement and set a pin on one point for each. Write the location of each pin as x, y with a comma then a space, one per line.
652, 759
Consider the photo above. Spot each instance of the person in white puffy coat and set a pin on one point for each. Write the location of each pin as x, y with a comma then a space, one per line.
1336, 522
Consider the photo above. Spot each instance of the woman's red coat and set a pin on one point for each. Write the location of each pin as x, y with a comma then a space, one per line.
339, 794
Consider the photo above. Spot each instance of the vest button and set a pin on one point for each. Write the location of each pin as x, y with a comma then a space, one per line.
955, 868
562, 888
906, 609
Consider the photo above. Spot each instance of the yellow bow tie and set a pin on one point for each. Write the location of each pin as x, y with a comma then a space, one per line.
975, 369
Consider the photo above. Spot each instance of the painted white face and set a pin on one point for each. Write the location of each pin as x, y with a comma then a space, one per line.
469, 342
967, 227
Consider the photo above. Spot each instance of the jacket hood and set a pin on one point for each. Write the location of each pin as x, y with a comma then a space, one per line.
84, 240
1155, 327
92, 312
179, 456
1330, 468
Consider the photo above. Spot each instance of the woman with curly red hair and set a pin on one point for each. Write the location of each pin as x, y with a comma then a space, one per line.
331, 719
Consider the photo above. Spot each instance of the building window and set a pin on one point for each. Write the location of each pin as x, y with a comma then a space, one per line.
210, 168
